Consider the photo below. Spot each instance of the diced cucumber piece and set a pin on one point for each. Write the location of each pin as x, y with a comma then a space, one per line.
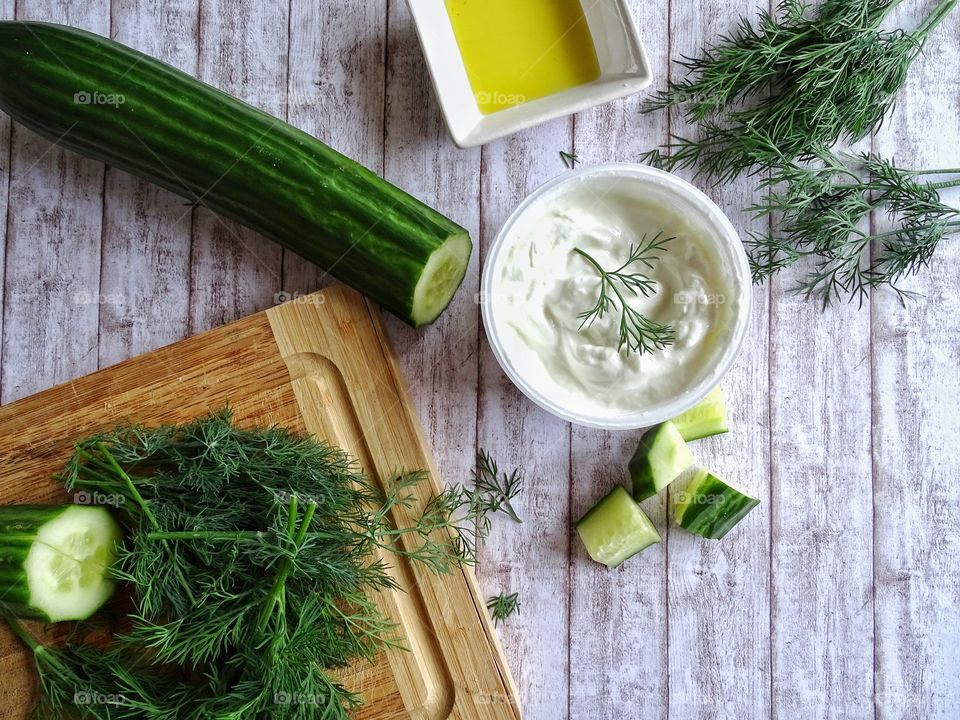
708, 417
54, 561
710, 507
616, 529
660, 457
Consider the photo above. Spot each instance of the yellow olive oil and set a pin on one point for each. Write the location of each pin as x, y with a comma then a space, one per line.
520, 50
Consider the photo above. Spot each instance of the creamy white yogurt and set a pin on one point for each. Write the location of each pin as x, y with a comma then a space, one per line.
540, 286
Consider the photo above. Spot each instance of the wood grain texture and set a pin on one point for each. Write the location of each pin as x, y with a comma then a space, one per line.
440, 361
821, 505
243, 51
335, 92
836, 598
322, 366
821, 511
531, 559
145, 268
916, 423
717, 592
618, 620
52, 278
6, 11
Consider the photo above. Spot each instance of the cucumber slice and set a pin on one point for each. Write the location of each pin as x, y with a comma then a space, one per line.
660, 457
710, 507
708, 417
440, 279
616, 529
54, 561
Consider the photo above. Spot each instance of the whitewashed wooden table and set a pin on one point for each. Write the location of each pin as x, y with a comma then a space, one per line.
839, 597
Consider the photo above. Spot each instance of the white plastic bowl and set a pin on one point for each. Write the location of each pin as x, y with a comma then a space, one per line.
624, 70
717, 230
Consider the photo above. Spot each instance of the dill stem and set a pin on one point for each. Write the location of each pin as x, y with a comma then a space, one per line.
287, 563
944, 171
205, 535
895, 233
935, 18
103, 479
40, 651
21, 632
944, 185
603, 273
147, 513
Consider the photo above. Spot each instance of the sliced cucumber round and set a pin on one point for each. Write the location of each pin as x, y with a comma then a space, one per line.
440, 279
710, 507
708, 417
660, 457
616, 529
54, 561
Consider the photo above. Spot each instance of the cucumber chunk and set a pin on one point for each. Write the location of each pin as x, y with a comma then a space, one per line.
660, 457
616, 529
710, 507
54, 561
708, 417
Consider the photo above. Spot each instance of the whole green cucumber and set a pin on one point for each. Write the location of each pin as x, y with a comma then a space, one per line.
112, 103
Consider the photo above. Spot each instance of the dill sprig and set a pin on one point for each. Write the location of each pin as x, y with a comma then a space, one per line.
821, 209
569, 159
502, 606
831, 74
465, 511
637, 333
496, 489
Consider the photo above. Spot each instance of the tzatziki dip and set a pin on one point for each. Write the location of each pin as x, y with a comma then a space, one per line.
541, 287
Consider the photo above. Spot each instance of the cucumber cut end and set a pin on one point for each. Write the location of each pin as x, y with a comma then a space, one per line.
67, 565
706, 418
616, 528
442, 275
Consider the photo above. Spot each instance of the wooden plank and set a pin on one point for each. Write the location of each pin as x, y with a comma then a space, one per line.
530, 559
618, 619
145, 272
916, 460
52, 283
336, 92
440, 361
718, 627
6, 13
822, 634
243, 51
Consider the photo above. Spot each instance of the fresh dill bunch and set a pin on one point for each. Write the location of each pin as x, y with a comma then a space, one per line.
638, 333
831, 73
503, 606
821, 208
253, 557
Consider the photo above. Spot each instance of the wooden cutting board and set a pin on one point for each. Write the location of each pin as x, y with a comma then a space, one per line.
320, 364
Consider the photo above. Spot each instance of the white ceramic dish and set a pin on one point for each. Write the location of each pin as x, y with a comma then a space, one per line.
717, 231
623, 64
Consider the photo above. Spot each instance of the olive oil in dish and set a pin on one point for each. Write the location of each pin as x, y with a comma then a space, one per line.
516, 51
